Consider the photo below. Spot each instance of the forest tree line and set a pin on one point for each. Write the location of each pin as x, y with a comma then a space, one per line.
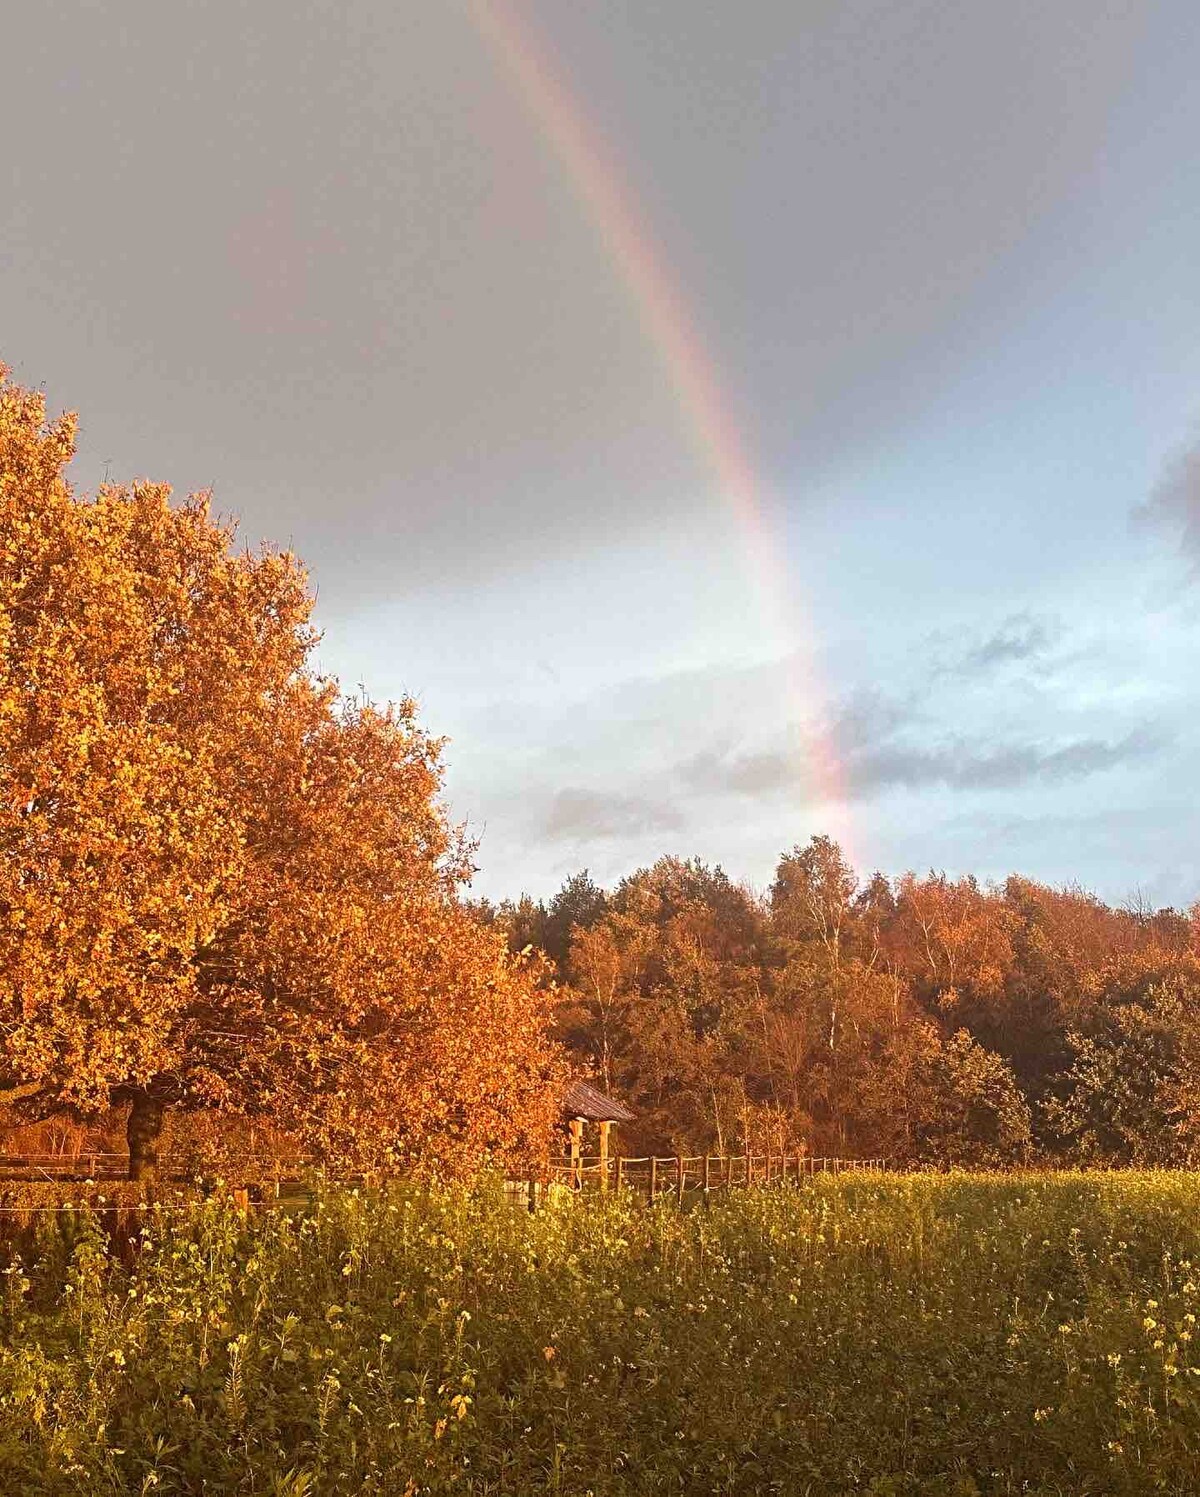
933, 1020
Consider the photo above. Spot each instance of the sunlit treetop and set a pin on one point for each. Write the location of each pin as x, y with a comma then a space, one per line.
222, 883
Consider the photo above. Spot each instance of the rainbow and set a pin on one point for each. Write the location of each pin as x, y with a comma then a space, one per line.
605, 198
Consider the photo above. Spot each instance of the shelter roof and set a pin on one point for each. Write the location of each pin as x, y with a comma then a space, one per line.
582, 1100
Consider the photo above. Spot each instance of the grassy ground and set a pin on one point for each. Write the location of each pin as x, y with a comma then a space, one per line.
870, 1334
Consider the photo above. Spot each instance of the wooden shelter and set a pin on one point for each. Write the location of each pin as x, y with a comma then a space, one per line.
583, 1104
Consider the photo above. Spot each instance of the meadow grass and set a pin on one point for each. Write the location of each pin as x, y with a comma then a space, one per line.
878, 1334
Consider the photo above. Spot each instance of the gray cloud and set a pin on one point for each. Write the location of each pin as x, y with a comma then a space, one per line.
585, 815
865, 720
1174, 504
762, 774
1020, 637
865, 717
348, 283
872, 767
962, 765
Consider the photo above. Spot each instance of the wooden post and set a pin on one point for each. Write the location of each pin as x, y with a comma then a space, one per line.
532, 1196
727, 1170
576, 1149
707, 1164
653, 1175
679, 1175
620, 1171
241, 1199
604, 1127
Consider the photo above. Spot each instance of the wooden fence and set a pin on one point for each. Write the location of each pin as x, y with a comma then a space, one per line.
267, 1181
96, 1167
679, 1174
86, 1165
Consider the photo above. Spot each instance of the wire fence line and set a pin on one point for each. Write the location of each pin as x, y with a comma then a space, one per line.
655, 1175
266, 1182
98, 1167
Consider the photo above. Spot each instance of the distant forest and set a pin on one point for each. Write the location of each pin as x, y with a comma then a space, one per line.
932, 1020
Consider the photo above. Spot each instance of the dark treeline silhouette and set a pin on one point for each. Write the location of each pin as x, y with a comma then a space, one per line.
933, 1020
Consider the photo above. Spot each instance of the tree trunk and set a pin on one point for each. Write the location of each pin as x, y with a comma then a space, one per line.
142, 1131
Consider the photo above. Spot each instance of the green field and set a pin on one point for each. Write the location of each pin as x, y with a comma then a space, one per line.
882, 1334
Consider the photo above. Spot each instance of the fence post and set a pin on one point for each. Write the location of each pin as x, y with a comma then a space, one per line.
620, 1171
576, 1153
706, 1174
727, 1170
653, 1175
679, 1176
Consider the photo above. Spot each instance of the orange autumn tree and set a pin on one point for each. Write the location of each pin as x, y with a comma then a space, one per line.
221, 884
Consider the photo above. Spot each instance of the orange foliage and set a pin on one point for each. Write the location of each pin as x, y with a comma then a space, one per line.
223, 885
963, 934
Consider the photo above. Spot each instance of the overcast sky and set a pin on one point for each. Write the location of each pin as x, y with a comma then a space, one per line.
327, 260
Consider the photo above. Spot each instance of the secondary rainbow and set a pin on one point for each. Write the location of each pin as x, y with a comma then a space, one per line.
661, 307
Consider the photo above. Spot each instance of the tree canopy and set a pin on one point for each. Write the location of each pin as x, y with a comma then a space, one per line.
929, 1019
223, 884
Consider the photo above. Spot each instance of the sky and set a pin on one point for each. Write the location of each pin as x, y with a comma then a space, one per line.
731, 422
